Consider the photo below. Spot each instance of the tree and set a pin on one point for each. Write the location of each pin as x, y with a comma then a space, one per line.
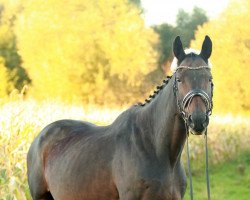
136, 2
167, 33
4, 86
186, 25
97, 51
230, 34
10, 59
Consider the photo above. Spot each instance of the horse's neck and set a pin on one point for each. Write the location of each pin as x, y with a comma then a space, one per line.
164, 125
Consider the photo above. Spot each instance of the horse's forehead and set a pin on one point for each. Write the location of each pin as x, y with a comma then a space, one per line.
193, 61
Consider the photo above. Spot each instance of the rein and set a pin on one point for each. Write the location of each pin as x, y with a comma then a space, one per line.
190, 170
182, 105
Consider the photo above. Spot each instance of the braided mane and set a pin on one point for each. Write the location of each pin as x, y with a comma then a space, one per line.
156, 91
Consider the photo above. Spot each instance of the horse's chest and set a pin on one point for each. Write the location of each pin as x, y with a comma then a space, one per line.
157, 190
151, 188
147, 179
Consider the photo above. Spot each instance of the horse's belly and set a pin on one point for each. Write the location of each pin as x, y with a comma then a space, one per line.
75, 186
80, 172
94, 193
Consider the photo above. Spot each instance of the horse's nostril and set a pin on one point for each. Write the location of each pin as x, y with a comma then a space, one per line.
206, 122
189, 118
198, 122
190, 121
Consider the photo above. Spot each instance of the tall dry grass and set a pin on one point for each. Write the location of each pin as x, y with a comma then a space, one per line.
228, 136
21, 121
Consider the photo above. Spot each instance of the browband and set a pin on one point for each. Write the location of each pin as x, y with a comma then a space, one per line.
188, 67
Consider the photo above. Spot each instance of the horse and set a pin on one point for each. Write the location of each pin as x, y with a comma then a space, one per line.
137, 157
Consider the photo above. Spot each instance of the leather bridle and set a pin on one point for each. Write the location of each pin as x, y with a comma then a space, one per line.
185, 103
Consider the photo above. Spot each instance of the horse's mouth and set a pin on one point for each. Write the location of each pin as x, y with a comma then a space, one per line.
196, 132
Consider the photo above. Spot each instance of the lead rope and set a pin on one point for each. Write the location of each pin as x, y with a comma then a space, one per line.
189, 168
207, 174
190, 171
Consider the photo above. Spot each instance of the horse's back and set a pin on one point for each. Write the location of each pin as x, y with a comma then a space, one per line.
61, 129
49, 137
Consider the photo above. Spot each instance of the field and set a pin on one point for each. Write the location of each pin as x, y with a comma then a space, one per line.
228, 180
229, 150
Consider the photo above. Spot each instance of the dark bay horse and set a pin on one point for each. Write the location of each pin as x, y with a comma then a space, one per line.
138, 155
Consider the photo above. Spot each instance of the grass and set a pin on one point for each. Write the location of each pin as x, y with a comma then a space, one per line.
228, 180
21, 121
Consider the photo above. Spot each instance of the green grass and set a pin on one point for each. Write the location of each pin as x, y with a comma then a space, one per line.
229, 180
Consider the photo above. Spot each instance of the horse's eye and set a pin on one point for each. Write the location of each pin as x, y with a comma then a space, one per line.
178, 79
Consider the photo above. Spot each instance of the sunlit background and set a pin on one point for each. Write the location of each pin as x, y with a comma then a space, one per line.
164, 11
91, 60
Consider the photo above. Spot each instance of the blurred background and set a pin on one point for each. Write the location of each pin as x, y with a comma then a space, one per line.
90, 60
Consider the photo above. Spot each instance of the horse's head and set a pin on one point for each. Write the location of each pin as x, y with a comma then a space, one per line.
193, 85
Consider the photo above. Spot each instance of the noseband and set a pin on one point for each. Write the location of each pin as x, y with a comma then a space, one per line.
186, 103
188, 99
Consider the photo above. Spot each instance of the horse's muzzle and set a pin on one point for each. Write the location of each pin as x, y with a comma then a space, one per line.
197, 122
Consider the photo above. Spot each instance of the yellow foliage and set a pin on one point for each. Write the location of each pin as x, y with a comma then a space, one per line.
84, 49
230, 34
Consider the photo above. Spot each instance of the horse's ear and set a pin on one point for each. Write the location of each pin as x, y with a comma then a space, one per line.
206, 49
178, 48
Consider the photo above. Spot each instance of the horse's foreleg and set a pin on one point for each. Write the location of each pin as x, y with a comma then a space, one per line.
46, 196
37, 184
